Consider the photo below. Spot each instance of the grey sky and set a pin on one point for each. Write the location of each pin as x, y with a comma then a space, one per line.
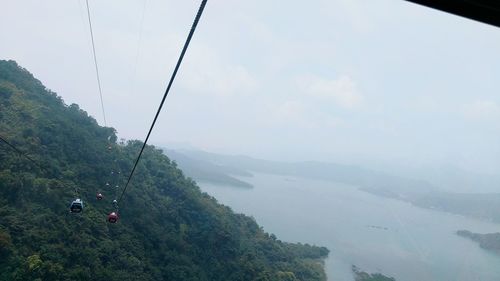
349, 81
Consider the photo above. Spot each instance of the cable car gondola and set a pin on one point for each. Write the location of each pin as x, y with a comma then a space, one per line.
113, 217
76, 206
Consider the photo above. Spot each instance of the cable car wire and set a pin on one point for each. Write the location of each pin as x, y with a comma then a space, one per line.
95, 63
138, 49
38, 165
22, 154
186, 44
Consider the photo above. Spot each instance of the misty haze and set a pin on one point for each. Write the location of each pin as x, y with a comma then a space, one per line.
321, 140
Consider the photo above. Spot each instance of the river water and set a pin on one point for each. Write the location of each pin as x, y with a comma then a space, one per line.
374, 233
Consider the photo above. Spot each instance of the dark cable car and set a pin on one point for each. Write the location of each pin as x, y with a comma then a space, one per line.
99, 196
113, 217
76, 206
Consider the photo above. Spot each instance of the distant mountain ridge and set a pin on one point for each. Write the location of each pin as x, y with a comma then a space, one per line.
243, 166
232, 170
206, 171
490, 241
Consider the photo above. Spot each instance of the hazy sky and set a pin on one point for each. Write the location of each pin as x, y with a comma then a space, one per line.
345, 80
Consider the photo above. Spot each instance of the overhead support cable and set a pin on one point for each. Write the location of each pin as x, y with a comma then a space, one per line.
22, 153
186, 44
95, 64
38, 165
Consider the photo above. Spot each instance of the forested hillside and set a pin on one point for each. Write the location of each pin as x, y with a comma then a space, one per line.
168, 229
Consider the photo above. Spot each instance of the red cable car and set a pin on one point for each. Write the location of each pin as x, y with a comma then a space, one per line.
113, 217
99, 196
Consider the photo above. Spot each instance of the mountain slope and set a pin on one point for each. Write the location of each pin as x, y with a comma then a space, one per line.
169, 229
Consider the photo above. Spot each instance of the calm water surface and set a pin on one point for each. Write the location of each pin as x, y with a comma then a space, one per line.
416, 244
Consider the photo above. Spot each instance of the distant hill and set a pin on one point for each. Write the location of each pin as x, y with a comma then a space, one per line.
232, 169
490, 241
205, 171
354, 175
485, 206
360, 275
168, 228
448, 178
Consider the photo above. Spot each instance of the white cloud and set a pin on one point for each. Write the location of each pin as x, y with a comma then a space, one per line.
353, 13
343, 90
482, 110
298, 114
207, 72
290, 110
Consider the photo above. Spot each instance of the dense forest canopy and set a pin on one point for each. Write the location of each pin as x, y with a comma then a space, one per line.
168, 228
